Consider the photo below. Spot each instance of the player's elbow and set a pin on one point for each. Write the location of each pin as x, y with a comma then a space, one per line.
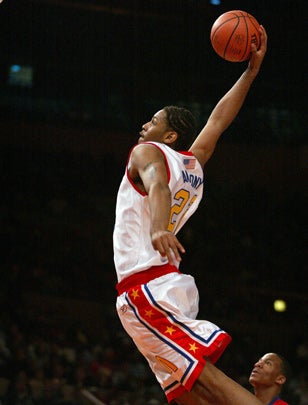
159, 190
203, 155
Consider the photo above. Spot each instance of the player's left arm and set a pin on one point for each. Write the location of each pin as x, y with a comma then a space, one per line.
229, 106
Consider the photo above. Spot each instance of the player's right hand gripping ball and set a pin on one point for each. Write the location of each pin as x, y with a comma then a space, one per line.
232, 35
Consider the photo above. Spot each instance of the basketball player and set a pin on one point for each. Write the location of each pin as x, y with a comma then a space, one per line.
268, 378
157, 304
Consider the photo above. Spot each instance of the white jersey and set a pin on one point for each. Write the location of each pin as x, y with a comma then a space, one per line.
133, 250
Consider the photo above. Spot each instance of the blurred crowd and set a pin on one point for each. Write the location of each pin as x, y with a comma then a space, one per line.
51, 367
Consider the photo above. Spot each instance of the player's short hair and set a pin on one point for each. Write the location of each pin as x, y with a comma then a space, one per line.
285, 366
183, 123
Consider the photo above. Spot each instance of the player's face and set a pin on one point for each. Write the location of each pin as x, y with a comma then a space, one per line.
156, 129
266, 371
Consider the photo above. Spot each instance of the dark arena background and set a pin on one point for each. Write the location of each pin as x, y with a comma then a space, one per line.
78, 78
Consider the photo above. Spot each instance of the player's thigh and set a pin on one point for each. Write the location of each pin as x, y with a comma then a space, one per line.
190, 398
216, 388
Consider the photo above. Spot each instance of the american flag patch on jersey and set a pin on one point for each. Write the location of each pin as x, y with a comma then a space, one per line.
189, 163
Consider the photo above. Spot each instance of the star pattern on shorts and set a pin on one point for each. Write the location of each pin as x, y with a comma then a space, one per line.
170, 330
164, 324
149, 313
135, 294
193, 347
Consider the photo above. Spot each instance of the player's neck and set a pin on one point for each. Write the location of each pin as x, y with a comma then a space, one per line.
266, 394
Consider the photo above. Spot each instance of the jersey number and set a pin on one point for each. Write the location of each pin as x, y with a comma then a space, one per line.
183, 202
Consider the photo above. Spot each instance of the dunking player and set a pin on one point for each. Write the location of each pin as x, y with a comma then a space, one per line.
157, 304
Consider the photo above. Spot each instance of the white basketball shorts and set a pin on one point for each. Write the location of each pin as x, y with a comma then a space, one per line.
160, 317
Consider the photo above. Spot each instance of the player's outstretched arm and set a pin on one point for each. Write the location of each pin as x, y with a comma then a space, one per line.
229, 105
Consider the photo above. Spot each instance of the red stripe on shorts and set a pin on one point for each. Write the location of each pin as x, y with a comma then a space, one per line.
143, 277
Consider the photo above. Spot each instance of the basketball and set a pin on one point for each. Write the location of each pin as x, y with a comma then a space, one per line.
232, 35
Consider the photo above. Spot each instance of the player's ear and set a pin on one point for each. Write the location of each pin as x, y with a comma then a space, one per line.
281, 379
171, 137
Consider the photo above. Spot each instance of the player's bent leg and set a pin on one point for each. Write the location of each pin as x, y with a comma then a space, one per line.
189, 398
213, 387
218, 389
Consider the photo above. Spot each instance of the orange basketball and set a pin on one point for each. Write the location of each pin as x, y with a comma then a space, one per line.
232, 35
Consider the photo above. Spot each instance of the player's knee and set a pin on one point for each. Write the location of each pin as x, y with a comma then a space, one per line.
208, 386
